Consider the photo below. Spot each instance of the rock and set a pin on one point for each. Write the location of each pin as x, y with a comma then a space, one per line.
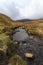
12, 48
17, 60
31, 37
29, 56
1, 56
4, 40
16, 43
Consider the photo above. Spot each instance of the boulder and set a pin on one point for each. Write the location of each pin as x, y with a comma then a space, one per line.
30, 55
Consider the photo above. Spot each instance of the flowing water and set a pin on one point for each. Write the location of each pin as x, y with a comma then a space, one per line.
32, 44
20, 35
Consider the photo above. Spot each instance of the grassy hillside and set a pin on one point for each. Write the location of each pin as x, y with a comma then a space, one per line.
8, 21
34, 27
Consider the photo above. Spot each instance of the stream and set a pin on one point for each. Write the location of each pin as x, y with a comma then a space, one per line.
29, 43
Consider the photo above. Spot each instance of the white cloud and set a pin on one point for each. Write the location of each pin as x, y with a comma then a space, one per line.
18, 9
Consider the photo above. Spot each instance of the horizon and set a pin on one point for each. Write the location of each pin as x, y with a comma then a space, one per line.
21, 19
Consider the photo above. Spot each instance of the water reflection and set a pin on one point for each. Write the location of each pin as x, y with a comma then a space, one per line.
20, 35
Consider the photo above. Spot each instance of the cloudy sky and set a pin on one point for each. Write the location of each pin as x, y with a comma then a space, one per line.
19, 9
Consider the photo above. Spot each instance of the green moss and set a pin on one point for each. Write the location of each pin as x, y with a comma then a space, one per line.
17, 60
4, 40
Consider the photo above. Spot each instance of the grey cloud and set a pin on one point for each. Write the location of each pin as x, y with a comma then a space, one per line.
10, 10
18, 9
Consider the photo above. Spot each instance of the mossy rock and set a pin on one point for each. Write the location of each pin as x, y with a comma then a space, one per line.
4, 40
12, 48
1, 28
17, 60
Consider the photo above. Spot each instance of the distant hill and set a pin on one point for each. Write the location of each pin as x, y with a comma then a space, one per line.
29, 20
24, 20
